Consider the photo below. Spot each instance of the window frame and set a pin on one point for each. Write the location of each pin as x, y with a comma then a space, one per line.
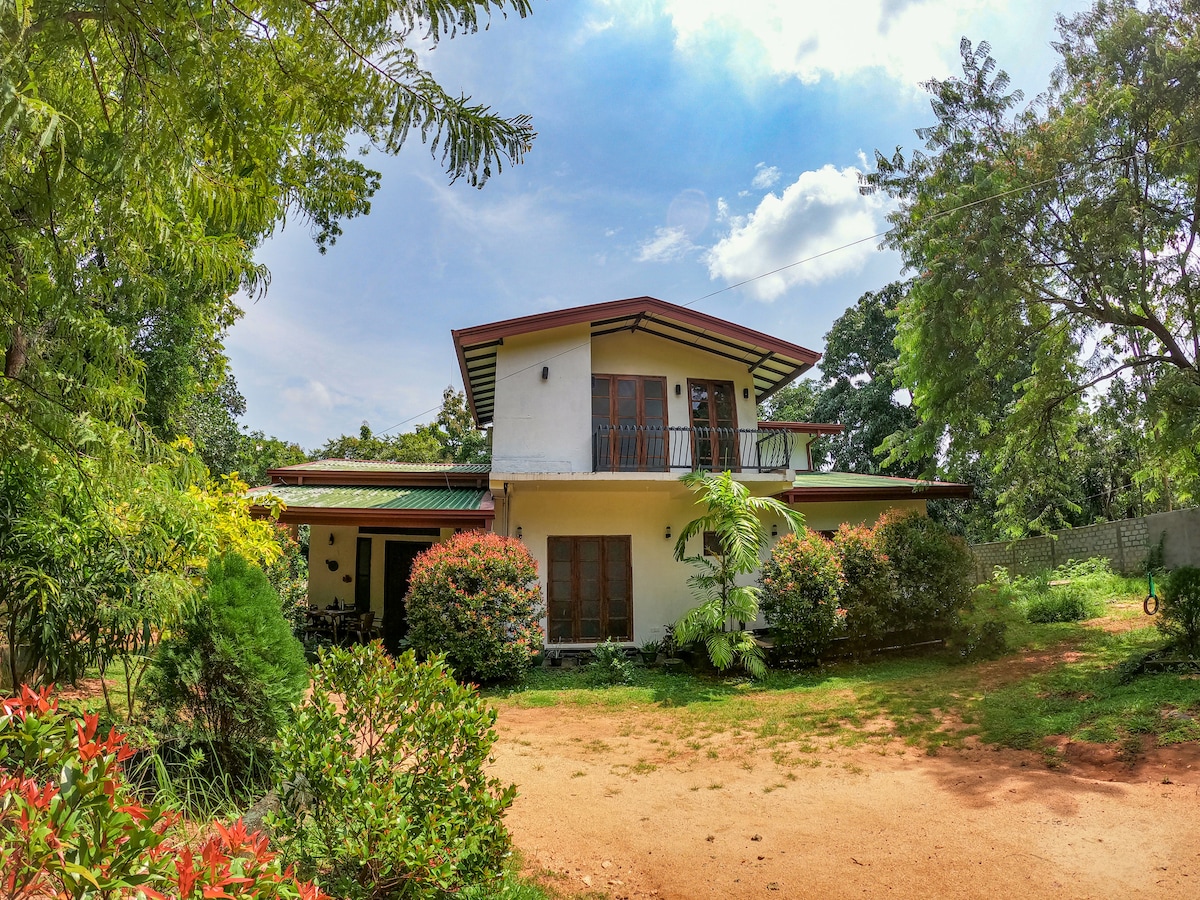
644, 453
575, 599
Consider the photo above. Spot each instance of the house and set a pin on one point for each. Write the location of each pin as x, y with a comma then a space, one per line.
594, 413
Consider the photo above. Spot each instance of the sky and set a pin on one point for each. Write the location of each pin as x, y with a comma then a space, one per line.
684, 146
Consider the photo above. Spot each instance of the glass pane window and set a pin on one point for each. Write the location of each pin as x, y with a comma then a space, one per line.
589, 591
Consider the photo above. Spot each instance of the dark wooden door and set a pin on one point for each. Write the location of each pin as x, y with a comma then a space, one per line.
398, 558
714, 426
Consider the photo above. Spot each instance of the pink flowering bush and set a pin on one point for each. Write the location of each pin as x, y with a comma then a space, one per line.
801, 584
866, 595
475, 598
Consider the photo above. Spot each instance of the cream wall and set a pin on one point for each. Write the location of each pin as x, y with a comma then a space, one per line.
324, 585
660, 590
544, 425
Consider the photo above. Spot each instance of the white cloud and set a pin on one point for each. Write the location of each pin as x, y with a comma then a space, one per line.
820, 211
909, 40
667, 245
765, 176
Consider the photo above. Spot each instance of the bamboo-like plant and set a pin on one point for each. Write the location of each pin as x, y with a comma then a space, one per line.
734, 515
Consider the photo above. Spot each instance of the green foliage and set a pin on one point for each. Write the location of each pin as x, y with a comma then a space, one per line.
801, 585
257, 453
383, 778
930, 572
230, 674
1072, 592
1179, 617
70, 827
476, 599
734, 516
1053, 243
1061, 603
867, 584
610, 664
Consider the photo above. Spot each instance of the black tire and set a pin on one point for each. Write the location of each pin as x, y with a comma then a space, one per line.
1150, 604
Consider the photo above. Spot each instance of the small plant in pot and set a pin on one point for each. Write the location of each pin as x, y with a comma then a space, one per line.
554, 655
650, 651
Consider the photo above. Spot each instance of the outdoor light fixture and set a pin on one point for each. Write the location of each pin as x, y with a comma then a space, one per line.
518, 532
545, 372
678, 389
333, 564
745, 393
774, 530
331, 539
668, 534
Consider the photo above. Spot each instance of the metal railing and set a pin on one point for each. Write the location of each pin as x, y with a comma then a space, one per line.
646, 448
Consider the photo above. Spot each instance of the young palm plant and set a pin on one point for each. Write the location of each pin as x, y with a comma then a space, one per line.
734, 516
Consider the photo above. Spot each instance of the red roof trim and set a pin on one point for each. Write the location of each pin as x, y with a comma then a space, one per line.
804, 427
930, 491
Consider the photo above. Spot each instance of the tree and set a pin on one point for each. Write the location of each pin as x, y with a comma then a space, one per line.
419, 446
462, 441
1053, 246
734, 516
257, 453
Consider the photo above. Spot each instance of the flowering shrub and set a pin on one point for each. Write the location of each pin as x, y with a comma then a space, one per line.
867, 593
475, 598
70, 827
930, 572
383, 782
801, 584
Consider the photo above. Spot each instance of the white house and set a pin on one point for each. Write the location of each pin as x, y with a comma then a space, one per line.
594, 412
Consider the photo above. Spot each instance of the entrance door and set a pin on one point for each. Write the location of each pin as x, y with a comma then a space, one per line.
714, 426
398, 558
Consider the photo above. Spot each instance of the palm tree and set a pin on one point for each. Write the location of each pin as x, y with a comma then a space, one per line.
734, 516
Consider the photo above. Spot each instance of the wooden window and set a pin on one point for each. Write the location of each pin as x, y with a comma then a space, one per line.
712, 544
636, 405
590, 589
714, 424
362, 575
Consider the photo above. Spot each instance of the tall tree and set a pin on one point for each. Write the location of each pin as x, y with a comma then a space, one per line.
1054, 247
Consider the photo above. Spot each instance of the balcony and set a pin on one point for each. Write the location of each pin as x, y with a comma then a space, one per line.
644, 448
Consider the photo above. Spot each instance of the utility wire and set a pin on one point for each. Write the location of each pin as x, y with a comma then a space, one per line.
933, 218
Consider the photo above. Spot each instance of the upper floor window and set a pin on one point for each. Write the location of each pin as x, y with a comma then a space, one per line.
629, 422
714, 424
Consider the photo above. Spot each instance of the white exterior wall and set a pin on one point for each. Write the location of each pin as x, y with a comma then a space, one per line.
643, 511
325, 586
544, 426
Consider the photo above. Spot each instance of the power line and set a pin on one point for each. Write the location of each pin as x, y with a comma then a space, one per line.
882, 234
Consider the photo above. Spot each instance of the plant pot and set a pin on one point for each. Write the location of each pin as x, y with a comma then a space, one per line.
555, 662
673, 665
649, 658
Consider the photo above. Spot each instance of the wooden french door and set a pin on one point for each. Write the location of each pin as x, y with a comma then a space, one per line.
714, 424
635, 408
590, 589
398, 558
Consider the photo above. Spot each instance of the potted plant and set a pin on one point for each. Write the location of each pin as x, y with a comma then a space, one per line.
555, 657
649, 651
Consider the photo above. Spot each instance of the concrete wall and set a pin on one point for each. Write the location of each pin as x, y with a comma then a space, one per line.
1125, 544
544, 425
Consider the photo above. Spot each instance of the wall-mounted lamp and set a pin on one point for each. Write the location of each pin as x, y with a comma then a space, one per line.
745, 393
774, 530
347, 579
668, 534
331, 539
678, 389
545, 373
519, 532
333, 564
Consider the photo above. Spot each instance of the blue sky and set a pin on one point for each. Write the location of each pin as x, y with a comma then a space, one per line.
683, 146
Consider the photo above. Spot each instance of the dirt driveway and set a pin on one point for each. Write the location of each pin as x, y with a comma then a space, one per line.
624, 805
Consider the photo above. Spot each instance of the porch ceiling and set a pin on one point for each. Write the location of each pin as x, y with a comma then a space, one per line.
772, 362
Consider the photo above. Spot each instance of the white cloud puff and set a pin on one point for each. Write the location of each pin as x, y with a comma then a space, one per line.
765, 176
667, 245
820, 211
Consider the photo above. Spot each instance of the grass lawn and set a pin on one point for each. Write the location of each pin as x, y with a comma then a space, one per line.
1058, 680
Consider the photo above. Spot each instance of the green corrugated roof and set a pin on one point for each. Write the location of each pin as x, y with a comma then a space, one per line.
374, 465
332, 496
855, 480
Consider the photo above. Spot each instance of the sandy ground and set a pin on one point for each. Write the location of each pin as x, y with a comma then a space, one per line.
624, 805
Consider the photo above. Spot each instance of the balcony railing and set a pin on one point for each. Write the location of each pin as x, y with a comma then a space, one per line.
643, 448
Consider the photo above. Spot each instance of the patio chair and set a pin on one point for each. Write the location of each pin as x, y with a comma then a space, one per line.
365, 629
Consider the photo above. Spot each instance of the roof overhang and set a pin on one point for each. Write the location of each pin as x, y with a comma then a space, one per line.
771, 362
875, 488
390, 518
815, 428
374, 506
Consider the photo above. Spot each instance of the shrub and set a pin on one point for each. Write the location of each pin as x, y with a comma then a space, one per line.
610, 664
1061, 603
383, 783
233, 671
801, 583
475, 598
866, 593
70, 827
931, 571
1179, 617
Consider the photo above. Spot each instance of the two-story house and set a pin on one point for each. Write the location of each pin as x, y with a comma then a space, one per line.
594, 412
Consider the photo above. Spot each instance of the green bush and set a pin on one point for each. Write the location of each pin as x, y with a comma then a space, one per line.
383, 781
866, 593
229, 676
931, 573
610, 664
1179, 617
475, 598
801, 585
1061, 603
